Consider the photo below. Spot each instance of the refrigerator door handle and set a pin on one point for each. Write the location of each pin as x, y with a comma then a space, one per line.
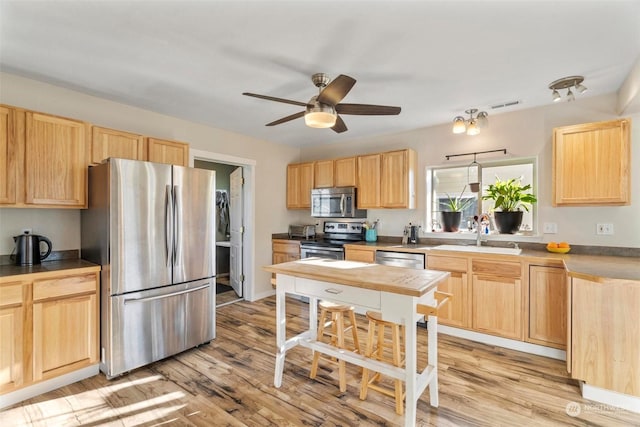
168, 225
173, 294
177, 200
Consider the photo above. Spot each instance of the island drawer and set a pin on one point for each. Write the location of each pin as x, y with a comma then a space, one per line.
339, 293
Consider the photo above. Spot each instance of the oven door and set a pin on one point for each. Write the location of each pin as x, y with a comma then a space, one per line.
322, 252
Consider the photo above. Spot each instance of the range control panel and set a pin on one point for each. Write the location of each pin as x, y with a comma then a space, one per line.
342, 227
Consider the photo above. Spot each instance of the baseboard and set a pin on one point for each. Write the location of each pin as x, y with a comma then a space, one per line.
609, 398
37, 389
526, 347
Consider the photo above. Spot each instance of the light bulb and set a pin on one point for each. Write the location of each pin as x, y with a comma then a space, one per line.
570, 96
580, 88
472, 128
556, 96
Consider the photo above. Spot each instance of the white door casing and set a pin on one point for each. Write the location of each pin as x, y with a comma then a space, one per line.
236, 230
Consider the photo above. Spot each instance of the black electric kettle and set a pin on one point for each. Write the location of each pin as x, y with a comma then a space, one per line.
28, 248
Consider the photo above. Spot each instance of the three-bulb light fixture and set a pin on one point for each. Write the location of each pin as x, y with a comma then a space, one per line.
567, 83
473, 125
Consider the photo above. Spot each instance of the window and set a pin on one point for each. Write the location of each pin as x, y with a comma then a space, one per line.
443, 182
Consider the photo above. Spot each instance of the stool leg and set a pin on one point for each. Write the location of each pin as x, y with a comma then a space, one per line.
354, 331
316, 354
369, 350
341, 363
395, 332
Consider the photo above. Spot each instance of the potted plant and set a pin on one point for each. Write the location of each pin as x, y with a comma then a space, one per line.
509, 196
452, 216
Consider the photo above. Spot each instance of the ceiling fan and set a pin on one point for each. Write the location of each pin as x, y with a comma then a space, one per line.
322, 110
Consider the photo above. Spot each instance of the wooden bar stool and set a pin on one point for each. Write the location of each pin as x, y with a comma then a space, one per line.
376, 349
332, 325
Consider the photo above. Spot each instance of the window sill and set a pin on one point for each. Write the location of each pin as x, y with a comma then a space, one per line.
494, 236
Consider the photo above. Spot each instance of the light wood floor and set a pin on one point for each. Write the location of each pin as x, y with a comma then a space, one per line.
229, 382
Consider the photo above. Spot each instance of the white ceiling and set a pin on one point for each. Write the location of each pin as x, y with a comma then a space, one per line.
193, 59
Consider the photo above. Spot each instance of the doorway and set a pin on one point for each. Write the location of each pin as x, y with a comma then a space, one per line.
232, 243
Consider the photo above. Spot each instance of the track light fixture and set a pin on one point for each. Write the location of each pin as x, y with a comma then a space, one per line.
473, 125
567, 83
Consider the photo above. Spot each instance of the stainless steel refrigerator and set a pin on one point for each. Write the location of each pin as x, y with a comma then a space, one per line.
152, 228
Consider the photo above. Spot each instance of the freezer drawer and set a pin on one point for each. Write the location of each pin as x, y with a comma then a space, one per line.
151, 325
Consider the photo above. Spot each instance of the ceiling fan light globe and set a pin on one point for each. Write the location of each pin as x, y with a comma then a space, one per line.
459, 125
320, 116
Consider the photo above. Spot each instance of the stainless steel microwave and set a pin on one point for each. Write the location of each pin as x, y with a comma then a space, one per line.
335, 203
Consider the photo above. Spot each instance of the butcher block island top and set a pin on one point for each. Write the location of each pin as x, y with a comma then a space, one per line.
376, 277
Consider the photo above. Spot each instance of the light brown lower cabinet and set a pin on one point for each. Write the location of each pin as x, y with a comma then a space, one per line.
496, 294
456, 311
360, 253
604, 335
283, 250
12, 335
53, 319
547, 306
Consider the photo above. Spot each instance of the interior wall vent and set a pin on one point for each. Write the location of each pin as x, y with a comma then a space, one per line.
505, 104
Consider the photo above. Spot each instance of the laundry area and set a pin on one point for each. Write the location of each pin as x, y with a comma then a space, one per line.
225, 292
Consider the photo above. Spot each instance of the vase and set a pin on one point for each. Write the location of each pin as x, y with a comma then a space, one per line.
371, 235
508, 222
451, 221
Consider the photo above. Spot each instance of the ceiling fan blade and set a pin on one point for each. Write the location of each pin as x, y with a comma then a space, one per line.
339, 127
336, 90
367, 109
272, 98
286, 119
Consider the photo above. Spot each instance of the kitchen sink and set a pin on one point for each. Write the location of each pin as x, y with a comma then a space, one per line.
479, 249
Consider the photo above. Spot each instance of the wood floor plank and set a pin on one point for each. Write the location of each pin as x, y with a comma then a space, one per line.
229, 382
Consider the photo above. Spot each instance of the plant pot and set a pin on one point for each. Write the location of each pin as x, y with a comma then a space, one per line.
451, 221
508, 222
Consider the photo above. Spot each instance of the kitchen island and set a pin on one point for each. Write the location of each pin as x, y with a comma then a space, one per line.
397, 293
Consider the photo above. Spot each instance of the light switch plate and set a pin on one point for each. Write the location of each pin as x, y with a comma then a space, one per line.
549, 228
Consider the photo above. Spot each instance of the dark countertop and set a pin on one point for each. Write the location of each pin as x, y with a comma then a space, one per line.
47, 266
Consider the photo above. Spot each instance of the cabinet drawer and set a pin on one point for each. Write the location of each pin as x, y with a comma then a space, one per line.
446, 263
11, 294
501, 269
338, 293
64, 286
286, 247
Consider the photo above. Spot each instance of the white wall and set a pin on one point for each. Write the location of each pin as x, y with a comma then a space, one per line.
524, 133
63, 226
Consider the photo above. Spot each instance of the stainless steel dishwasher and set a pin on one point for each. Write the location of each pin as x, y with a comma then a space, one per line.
401, 259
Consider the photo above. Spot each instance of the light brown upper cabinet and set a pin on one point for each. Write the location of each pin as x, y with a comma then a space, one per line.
323, 174
387, 180
107, 143
369, 169
8, 152
299, 185
398, 185
55, 158
171, 152
344, 172
591, 164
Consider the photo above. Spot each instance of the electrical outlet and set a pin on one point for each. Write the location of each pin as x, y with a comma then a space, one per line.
604, 228
550, 228
27, 230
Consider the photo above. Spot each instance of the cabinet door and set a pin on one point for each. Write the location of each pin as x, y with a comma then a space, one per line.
299, 185
604, 334
591, 164
456, 311
369, 169
12, 334
394, 180
497, 305
323, 174
547, 306
65, 324
170, 152
8, 147
344, 172
107, 143
55, 161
